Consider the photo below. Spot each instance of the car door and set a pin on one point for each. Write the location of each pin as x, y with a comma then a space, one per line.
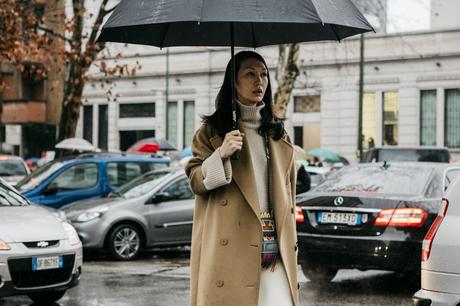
78, 181
171, 213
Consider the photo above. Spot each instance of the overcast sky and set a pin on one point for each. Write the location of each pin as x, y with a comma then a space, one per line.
408, 15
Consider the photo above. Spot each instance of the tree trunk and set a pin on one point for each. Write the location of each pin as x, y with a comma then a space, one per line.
286, 75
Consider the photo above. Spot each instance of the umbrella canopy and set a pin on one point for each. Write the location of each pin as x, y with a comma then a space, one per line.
151, 145
78, 144
244, 23
326, 154
210, 22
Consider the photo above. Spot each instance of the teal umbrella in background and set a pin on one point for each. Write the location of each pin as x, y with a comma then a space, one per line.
328, 155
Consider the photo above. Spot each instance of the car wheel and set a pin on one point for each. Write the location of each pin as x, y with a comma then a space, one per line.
124, 242
46, 298
319, 274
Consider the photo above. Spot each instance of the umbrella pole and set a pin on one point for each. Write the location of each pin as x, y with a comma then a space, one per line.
235, 155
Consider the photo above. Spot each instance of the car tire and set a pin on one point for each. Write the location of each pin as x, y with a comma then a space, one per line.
46, 298
318, 273
124, 242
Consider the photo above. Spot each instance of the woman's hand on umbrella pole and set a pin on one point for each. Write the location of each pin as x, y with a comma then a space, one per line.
233, 142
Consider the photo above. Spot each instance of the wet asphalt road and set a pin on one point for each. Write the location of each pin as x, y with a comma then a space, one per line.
161, 279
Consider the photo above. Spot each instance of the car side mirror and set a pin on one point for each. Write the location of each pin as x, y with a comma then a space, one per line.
159, 197
51, 189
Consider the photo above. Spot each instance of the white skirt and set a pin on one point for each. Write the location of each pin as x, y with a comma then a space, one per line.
274, 287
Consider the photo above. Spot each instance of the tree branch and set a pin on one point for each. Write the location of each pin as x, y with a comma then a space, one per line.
49, 31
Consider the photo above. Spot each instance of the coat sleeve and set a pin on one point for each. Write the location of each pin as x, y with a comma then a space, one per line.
205, 169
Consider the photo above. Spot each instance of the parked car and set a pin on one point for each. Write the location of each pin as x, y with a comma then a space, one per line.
392, 153
368, 216
440, 254
40, 254
12, 169
154, 210
90, 175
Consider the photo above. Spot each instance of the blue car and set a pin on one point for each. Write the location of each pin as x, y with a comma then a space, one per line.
60, 182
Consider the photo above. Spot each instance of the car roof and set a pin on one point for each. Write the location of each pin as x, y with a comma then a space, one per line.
410, 148
113, 157
10, 157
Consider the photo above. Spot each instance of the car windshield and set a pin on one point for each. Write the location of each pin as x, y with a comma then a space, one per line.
10, 198
34, 179
141, 185
425, 155
11, 167
389, 180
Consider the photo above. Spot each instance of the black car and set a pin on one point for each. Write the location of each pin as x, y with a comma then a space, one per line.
368, 216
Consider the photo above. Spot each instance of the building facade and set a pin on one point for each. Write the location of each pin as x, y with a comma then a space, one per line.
411, 84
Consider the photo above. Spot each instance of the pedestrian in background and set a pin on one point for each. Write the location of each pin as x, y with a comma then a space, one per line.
244, 249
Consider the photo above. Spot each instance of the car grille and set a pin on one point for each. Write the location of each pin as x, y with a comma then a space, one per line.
41, 244
23, 276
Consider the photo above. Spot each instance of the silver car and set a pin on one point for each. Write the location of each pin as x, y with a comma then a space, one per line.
441, 252
154, 210
40, 254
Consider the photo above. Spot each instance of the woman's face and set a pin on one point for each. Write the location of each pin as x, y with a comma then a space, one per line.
251, 82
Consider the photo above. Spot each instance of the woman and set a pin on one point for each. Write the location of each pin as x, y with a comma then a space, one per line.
244, 240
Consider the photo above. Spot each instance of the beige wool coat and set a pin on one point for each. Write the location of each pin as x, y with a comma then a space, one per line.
227, 234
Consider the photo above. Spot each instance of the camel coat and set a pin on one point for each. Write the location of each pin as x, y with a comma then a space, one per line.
227, 234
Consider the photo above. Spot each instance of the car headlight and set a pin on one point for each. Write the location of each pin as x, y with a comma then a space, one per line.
4, 246
71, 234
91, 214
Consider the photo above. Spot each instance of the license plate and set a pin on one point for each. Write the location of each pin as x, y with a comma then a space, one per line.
48, 262
339, 218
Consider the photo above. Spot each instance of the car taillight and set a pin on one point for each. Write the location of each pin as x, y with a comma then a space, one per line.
299, 215
428, 240
401, 217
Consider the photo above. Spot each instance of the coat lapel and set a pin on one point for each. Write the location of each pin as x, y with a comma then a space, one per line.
243, 175
282, 154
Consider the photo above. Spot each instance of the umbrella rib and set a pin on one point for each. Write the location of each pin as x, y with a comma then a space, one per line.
335, 33
164, 36
254, 45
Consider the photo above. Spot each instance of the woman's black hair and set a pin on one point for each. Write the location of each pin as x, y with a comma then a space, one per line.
221, 119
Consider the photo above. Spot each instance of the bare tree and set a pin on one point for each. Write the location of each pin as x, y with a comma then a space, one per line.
286, 74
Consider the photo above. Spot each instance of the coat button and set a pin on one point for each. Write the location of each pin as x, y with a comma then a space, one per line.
295, 248
292, 210
223, 202
219, 283
223, 241
298, 286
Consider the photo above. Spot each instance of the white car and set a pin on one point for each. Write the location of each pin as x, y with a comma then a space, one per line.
441, 251
40, 254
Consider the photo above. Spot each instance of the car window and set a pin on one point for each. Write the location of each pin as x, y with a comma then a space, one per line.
79, 176
425, 155
179, 190
122, 172
390, 180
12, 167
142, 185
34, 179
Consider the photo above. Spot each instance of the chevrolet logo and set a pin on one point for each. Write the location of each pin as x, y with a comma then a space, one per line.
42, 244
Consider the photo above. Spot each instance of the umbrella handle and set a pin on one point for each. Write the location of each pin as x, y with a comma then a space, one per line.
236, 155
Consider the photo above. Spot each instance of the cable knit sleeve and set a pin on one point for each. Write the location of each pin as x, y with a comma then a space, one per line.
216, 173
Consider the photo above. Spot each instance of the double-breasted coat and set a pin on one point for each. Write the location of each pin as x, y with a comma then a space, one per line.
227, 233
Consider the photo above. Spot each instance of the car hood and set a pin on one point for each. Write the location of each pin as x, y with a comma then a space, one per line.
88, 204
29, 223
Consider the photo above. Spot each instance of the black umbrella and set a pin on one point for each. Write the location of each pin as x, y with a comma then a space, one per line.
244, 23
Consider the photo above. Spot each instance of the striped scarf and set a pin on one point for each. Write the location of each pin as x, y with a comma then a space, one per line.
270, 244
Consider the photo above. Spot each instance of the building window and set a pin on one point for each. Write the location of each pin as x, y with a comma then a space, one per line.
88, 122
171, 126
369, 120
298, 136
452, 118
428, 117
307, 104
135, 110
390, 118
189, 122
103, 127
128, 138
